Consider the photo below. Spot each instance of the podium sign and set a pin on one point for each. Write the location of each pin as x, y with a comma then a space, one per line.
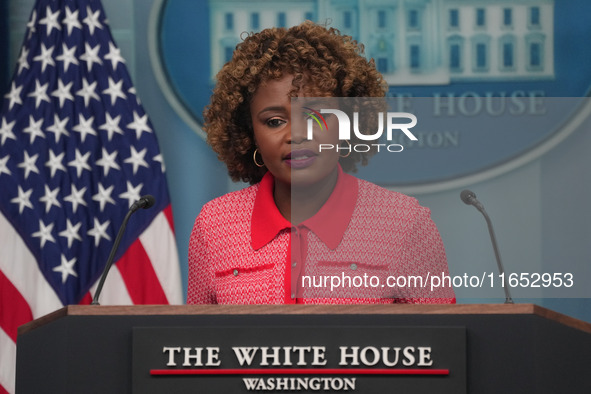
364, 359
479, 349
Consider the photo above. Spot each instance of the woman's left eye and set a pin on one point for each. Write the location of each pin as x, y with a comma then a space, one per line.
275, 122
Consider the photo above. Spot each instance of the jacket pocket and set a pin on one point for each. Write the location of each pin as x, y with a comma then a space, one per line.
246, 285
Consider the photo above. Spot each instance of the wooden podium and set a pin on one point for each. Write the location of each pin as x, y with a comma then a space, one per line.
498, 348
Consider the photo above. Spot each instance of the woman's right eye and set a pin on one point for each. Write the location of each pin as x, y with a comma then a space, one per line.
275, 122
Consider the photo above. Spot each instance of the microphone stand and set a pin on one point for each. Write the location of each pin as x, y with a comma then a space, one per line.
144, 202
111, 258
468, 197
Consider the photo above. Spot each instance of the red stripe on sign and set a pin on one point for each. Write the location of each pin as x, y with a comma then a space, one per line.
14, 309
168, 213
296, 371
139, 276
3, 391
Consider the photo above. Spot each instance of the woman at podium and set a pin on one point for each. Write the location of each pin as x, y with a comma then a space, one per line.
305, 231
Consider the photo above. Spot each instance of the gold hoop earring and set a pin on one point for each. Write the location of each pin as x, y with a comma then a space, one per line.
348, 152
254, 158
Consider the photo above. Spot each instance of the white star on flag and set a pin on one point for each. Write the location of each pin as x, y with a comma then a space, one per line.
71, 20
32, 24
114, 90
68, 56
44, 233
92, 20
139, 124
136, 159
14, 95
50, 198
58, 128
132, 194
28, 164
84, 127
46, 57
99, 231
76, 197
66, 268
111, 125
72, 232
114, 56
63, 92
104, 196
91, 56
34, 129
55, 162
80, 163
6, 131
23, 60
23, 199
87, 91
50, 21
108, 161
40, 93
3, 165
158, 158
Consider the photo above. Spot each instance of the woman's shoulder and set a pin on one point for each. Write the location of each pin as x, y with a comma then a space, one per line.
232, 204
373, 197
368, 190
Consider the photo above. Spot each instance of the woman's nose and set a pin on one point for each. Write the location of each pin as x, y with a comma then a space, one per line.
298, 131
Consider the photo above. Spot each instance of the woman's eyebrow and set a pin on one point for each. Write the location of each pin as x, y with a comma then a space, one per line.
313, 103
274, 108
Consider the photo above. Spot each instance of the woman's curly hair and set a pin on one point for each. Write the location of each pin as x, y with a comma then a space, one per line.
331, 64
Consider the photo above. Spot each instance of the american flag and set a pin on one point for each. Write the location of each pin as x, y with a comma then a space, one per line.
76, 150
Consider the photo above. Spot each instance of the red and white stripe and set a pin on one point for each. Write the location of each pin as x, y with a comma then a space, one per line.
148, 273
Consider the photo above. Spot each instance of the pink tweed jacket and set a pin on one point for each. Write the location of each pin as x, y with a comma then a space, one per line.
380, 246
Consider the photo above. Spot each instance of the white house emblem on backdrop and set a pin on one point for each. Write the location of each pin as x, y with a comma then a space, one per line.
469, 60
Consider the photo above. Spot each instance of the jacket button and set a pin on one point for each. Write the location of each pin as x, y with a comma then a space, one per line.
353, 267
235, 272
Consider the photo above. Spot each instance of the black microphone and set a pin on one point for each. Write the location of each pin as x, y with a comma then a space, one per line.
144, 202
469, 198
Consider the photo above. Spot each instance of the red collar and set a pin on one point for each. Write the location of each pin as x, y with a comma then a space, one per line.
329, 224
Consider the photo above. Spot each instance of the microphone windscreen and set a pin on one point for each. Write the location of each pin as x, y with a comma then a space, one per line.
467, 196
149, 201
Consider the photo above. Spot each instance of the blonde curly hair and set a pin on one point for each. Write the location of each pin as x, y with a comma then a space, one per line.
331, 63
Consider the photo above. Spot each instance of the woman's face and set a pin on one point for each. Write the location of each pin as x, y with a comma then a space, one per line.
280, 132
